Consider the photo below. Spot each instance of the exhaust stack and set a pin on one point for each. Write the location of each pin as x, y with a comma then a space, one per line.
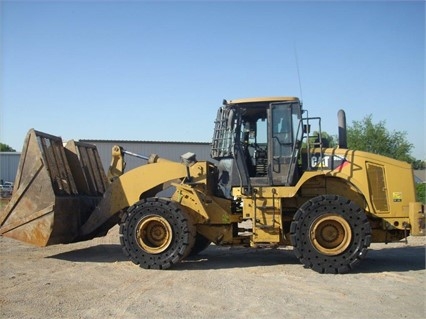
341, 117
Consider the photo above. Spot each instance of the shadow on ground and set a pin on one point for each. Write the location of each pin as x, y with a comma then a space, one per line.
399, 259
105, 253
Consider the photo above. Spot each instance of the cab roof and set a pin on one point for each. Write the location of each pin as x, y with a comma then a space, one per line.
269, 99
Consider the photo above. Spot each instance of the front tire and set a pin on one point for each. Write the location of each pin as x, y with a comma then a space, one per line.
330, 234
156, 233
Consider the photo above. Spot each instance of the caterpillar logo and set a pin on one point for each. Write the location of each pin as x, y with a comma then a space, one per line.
328, 162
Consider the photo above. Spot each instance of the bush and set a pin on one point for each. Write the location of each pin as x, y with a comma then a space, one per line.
420, 192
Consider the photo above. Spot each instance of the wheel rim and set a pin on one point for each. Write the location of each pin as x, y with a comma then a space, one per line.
330, 234
154, 234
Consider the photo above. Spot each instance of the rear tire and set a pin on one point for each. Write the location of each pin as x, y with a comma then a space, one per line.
330, 234
156, 233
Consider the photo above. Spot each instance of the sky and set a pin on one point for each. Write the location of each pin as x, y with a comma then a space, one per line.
159, 70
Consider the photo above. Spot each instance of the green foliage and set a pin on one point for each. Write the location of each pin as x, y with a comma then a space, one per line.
327, 139
419, 164
420, 192
6, 148
375, 138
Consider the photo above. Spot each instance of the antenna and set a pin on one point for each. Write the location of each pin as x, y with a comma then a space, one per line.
298, 72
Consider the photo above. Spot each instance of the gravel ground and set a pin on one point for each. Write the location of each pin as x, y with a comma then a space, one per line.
93, 279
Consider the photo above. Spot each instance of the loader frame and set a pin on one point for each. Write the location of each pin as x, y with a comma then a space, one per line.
285, 187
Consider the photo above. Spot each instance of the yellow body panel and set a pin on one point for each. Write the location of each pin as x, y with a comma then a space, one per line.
266, 217
383, 187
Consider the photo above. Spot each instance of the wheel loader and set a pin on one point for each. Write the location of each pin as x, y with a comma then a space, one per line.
273, 181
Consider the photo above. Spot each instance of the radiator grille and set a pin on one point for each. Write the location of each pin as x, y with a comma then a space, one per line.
377, 185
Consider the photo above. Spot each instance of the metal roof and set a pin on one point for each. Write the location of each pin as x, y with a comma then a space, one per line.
420, 175
141, 141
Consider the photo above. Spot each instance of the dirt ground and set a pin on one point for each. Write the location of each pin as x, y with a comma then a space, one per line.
93, 279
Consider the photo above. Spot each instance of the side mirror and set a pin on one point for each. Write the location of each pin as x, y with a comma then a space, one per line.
306, 129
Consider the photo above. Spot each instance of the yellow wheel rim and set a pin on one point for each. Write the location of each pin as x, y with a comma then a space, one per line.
330, 234
154, 234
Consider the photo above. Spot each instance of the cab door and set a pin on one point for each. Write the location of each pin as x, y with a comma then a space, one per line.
283, 120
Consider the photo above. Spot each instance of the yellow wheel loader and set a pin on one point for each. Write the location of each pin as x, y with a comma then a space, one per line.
273, 182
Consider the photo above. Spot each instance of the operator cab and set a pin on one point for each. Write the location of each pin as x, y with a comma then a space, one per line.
257, 142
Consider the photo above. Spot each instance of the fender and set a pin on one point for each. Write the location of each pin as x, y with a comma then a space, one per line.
127, 189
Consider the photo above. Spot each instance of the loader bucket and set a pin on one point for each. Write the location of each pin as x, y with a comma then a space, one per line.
56, 189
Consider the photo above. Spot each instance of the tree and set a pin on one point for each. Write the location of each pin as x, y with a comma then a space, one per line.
6, 148
421, 192
375, 138
327, 139
419, 164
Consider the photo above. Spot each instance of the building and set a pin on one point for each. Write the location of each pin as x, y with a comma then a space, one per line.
9, 162
420, 175
168, 150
